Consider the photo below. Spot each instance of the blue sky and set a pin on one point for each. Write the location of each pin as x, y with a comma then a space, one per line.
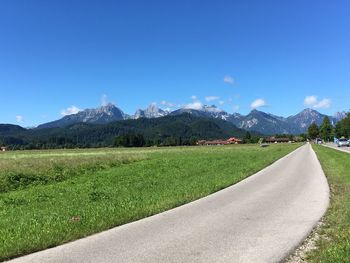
282, 55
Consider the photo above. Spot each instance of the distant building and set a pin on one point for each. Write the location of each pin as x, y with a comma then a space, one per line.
3, 148
232, 140
277, 140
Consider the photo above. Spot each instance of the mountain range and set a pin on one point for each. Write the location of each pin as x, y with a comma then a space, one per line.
182, 129
258, 121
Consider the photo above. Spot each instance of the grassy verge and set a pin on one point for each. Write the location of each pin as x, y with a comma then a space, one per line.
37, 216
334, 246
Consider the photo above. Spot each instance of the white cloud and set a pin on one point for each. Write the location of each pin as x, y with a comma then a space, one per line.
211, 98
104, 100
312, 101
258, 103
193, 97
323, 104
70, 110
229, 80
19, 118
196, 105
221, 102
168, 104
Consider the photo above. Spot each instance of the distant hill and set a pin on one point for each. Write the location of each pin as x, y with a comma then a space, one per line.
8, 129
11, 134
159, 131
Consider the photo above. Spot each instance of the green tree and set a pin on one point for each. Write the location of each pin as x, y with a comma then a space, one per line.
313, 131
342, 128
247, 138
193, 140
130, 140
326, 129
303, 137
338, 130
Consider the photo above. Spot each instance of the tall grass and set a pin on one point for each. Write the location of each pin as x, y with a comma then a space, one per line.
21, 170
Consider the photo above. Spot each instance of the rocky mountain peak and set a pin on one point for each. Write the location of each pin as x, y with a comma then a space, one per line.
340, 115
109, 109
152, 108
103, 114
309, 112
152, 111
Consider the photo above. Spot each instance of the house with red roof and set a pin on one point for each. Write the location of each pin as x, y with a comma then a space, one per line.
231, 140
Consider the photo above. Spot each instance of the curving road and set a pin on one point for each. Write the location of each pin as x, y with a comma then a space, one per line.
261, 219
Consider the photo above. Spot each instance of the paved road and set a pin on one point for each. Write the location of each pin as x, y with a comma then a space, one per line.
261, 219
332, 145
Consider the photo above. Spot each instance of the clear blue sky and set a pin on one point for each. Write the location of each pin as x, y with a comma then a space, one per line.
58, 54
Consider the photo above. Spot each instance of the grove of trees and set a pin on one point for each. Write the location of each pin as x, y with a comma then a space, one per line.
327, 131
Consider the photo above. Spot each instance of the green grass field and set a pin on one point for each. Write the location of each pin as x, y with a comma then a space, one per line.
334, 245
51, 197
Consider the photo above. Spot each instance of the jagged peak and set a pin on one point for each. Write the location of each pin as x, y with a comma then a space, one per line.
255, 111
153, 108
310, 111
307, 112
109, 105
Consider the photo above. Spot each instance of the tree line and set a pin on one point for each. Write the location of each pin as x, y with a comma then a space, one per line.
138, 140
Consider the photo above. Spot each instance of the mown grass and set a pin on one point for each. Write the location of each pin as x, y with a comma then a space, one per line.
334, 244
37, 216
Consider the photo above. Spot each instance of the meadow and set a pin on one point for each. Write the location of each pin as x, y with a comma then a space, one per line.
51, 197
334, 244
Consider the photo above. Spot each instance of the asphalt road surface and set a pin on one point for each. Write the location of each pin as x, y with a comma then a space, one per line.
261, 219
333, 145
